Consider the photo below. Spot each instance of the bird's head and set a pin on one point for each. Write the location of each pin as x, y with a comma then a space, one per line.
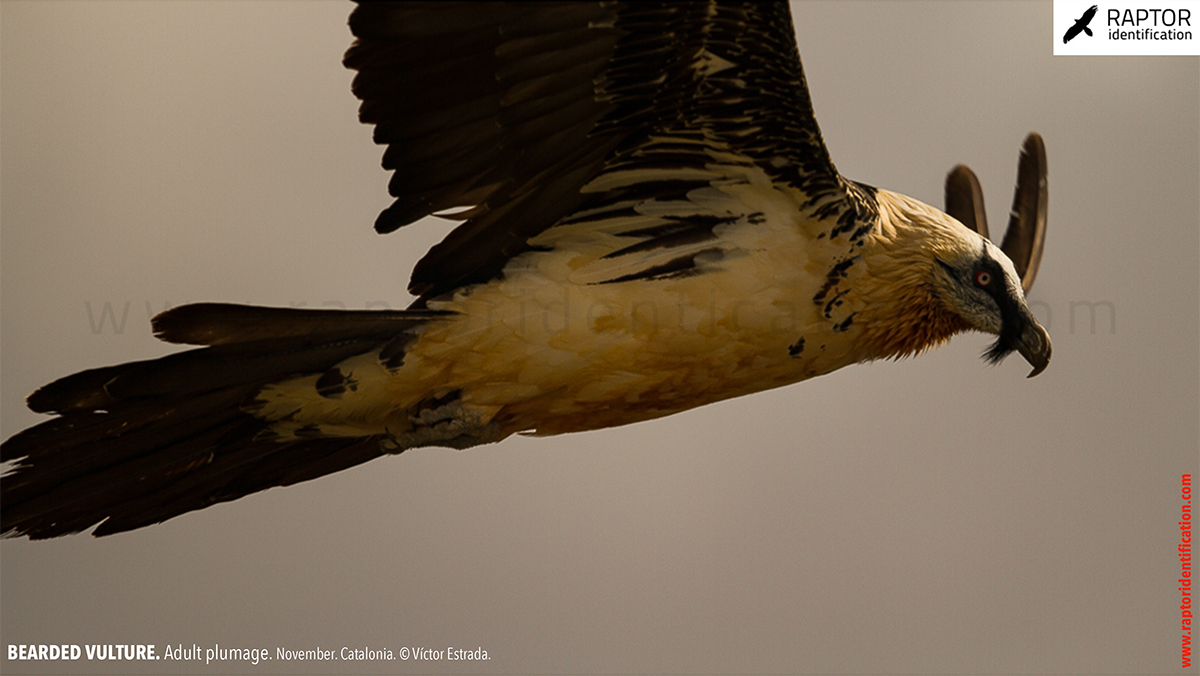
981, 285
948, 278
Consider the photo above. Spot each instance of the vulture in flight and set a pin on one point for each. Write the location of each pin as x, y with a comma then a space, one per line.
650, 222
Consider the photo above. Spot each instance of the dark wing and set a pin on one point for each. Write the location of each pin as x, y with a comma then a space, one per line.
1026, 234
964, 199
507, 110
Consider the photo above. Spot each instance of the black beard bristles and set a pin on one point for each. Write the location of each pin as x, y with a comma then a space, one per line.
998, 350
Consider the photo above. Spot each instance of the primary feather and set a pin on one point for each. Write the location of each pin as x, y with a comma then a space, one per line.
651, 223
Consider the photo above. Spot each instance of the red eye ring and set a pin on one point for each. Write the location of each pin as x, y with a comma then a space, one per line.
983, 278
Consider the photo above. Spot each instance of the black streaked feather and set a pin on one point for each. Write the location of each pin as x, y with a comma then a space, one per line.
676, 267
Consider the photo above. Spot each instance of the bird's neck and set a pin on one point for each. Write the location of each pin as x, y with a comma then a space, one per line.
902, 313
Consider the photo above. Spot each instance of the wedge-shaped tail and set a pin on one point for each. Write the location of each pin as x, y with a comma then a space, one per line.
142, 442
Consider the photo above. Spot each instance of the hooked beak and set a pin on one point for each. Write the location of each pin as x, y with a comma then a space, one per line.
1020, 332
1034, 345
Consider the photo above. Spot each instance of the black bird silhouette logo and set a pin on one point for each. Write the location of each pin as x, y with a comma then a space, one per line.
1081, 24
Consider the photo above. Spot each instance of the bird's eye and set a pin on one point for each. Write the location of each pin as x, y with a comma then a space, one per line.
983, 278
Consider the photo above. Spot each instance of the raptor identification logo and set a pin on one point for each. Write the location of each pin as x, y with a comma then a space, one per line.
1126, 28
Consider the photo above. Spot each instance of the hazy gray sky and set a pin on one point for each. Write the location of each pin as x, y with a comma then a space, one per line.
931, 515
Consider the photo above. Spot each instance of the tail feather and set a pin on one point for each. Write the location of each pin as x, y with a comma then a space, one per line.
239, 470
219, 323
139, 443
55, 501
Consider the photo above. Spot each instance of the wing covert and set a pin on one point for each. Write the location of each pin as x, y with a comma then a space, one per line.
511, 110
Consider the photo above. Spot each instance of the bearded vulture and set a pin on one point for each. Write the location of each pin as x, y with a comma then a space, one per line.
650, 222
